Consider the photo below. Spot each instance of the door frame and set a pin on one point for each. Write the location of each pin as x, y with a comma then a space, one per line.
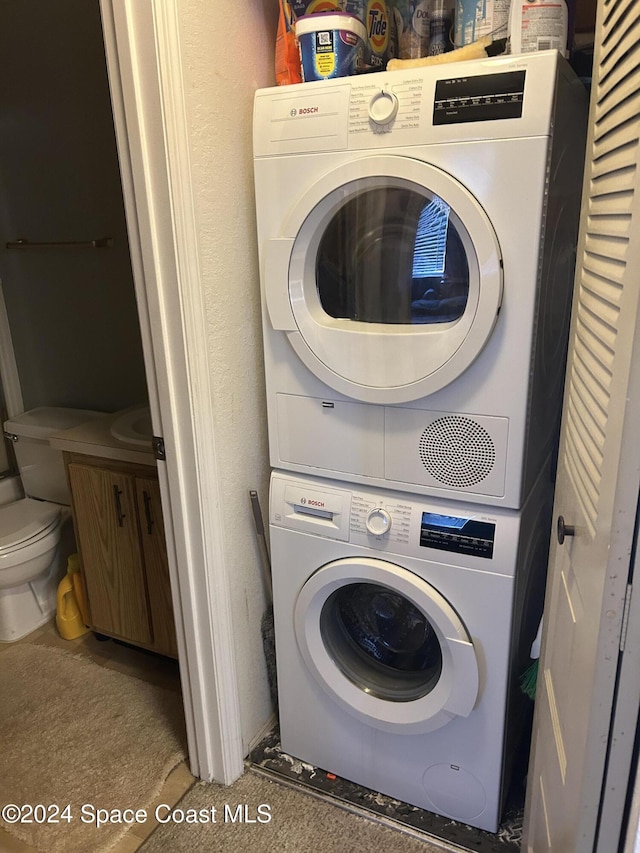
621, 789
143, 52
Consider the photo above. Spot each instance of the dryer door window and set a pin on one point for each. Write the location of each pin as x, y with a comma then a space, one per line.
386, 645
387, 279
393, 256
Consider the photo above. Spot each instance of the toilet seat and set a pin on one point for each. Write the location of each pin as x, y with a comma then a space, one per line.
24, 522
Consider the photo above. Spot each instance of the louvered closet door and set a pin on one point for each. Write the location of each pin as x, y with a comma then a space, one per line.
597, 489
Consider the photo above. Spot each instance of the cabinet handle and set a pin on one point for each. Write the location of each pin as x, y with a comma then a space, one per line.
146, 497
119, 514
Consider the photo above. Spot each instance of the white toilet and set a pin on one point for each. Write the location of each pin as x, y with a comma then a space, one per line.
36, 531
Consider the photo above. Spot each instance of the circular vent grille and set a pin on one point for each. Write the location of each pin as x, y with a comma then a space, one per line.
457, 451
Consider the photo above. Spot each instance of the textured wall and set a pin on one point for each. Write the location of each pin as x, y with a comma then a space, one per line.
227, 52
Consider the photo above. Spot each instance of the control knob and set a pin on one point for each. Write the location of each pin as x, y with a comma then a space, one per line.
378, 521
383, 107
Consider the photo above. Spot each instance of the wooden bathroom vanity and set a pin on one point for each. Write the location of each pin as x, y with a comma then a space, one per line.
117, 516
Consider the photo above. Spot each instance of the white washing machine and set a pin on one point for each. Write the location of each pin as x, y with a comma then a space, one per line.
417, 234
402, 625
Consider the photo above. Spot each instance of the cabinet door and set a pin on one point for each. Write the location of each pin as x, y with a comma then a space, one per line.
104, 504
156, 565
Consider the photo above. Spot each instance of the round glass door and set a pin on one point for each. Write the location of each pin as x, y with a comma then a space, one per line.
386, 645
393, 256
387, 279
381, 642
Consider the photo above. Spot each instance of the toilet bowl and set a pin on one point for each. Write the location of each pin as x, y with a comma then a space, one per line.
36, 532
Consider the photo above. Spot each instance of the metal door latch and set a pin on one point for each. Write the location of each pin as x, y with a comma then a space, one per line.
158, 448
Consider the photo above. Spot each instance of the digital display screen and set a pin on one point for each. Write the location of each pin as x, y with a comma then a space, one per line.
479, 98
457, 534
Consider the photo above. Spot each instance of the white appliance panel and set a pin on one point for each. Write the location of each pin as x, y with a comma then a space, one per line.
523, 175
448, 748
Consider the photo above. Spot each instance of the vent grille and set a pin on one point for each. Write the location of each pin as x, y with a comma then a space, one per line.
603, 264
457, 451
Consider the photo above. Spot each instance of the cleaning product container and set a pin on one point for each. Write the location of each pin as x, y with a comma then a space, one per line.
475, 20
73, 568
539, 25
382, 25
69, 616
413, 18
331, 45
298, 8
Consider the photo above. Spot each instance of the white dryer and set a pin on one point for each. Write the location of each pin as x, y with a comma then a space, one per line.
401, 626
417, 234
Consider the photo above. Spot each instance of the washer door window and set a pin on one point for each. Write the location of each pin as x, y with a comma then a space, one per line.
386, 645
381, 642
394, 279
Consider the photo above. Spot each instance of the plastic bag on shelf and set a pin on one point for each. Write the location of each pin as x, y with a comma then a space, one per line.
287, 58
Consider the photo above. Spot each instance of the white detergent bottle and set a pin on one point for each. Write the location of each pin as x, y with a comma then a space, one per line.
538, 25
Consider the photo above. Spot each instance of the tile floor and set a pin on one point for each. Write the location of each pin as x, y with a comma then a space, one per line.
269, 758
139, 664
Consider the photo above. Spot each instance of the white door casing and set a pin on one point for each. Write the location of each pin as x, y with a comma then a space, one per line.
599, 464
142, 41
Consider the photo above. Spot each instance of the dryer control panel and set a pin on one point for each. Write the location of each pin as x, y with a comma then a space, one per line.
510, 96
491, 96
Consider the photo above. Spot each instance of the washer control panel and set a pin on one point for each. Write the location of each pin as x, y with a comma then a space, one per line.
378, 521
393, 522
390, 520
460, 534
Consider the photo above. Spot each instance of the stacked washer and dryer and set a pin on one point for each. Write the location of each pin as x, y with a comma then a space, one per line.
417, 236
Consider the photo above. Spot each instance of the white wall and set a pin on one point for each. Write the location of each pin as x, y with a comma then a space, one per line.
227, 52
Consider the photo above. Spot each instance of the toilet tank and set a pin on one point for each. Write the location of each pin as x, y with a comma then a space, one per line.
41, 466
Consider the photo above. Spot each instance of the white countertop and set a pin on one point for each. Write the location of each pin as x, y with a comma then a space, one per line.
94, 438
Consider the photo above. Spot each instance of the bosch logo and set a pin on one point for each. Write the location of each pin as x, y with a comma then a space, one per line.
311, 502
293, 113
305, 111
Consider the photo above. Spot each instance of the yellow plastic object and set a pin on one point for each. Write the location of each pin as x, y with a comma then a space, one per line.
73, 568
68, 616
475, 50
